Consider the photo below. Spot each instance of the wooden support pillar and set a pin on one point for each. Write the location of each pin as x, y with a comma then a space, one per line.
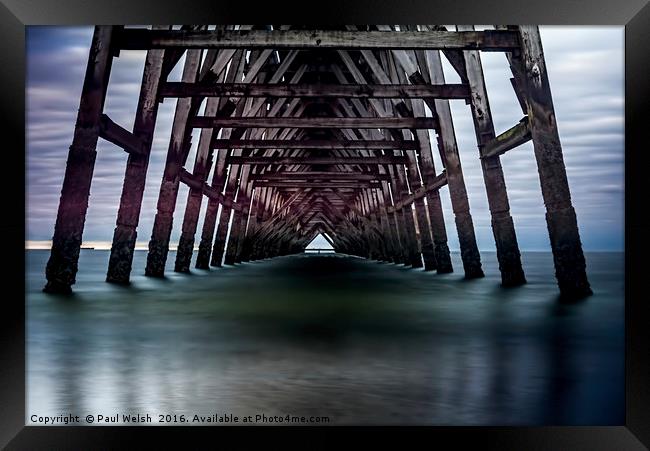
177, 153
124, 237
203, 259
385, 200
561, 219
387, 231
429, 70
256, 200
426, 241
224, 217
220, 238
400, 225
371, 221
266, 247
207, 234
366, 224
238, 218
378, 240
415, 255
211, 213
400, 190
210, 222
436, 215
245, 203
382, 220
434, 205
63, 263
405, 220
457, 192
399, 247
202, 164
427, 168
280, 210
502, 225
257, 211
410, 253
362, 212
250, 226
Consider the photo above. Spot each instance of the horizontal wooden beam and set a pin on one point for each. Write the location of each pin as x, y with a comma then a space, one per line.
315, 160
313, 144
447, 91
437, 183
313, 122
488, 40
507, 140
319, 175
119, 136
190, 180
316, 184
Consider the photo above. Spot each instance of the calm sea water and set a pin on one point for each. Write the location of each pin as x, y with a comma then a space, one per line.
328, 335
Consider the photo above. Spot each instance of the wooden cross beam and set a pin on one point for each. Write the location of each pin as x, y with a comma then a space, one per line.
313, 144
190, 180
291, 205
446, 91
313, 122
437, 183
315, 160
280, 221
488, 40
119, 136
316, 185
507, 140
319, 175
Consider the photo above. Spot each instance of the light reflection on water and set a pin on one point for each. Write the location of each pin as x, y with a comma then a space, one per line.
358, 341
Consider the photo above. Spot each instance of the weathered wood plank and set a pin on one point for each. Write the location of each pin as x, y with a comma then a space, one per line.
315, 160
318, 175
488, 40
438, 182
119, 136
193, 182
446, 91
313, 144
316, 184
313, 122
511, 138
188, 179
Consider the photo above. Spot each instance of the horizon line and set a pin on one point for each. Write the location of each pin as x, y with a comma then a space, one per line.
173, 245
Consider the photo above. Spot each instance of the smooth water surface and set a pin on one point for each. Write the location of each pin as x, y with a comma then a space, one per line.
358, 341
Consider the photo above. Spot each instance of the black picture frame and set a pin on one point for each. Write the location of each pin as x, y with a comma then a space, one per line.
16, 14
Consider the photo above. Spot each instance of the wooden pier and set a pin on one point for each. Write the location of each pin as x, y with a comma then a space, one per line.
311, 131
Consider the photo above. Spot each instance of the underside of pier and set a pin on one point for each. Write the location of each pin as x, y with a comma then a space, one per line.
329, 131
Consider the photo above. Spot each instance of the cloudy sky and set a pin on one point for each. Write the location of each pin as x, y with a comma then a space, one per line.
585, 66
